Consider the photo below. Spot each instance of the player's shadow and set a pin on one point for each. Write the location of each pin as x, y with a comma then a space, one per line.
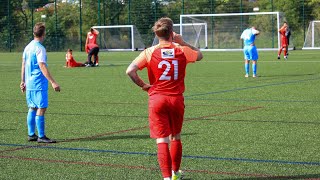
288, 75
112, 137
8, 129
112, 65
305, 176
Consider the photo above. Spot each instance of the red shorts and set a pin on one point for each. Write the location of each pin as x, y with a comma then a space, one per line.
284, 42
166, 115
73, 63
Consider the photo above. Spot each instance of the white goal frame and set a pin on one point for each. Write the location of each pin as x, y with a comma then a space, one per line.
190, 24
234, 14
311, 27
133, 48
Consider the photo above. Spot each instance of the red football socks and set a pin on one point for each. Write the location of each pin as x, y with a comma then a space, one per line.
176, 154
164, 159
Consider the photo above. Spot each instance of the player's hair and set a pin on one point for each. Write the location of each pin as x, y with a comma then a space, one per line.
163, 28
39, 29
69, 50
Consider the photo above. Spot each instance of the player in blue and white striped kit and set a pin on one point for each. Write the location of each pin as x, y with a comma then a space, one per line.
34, 82
250, 50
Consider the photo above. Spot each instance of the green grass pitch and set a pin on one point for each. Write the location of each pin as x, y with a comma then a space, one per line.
235, 127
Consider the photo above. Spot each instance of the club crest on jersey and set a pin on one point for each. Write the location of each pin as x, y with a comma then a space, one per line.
167, 53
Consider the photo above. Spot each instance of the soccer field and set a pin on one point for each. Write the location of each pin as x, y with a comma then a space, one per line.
234, 128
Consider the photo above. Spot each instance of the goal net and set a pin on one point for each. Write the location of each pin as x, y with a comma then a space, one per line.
312, 40
224, 30
119, 38
194, 33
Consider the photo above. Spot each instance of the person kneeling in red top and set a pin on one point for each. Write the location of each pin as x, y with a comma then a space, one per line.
70, 62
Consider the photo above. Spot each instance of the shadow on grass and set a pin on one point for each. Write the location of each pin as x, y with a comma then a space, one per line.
306, 176
288, 75
109, 138
8, 129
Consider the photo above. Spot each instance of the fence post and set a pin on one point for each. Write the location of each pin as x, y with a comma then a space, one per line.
129, 12
80, 23
32, 18
182, 7
55, 13
9, 26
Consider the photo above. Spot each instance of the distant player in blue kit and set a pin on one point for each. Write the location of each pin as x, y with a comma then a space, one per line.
250, 50
34, 82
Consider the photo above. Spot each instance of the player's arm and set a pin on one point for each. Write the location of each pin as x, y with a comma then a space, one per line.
282, 28
86, 45
257, 32
46, 73
22, 83
132, 73
95, 31
177, 38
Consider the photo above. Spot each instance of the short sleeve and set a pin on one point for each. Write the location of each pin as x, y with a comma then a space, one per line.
254, 31
141, 61
191, 55
41, 55
24, 55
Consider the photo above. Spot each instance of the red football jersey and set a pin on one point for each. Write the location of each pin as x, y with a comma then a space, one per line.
92, 40
166, 66
284, 40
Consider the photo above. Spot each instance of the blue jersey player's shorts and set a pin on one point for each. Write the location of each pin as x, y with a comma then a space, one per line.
250, 53
37, 99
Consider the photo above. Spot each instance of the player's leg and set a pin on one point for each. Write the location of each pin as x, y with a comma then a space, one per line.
246, 67
31, 117
285, 52
247, 61
40, 121
254, 68
176, 121
176, 156
41, 99
95, 55
90, 54
31, 122
164, 158
97, 58
279, 52
160, 129
254, 57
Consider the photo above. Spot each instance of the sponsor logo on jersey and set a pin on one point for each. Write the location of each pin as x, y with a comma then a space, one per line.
167, 53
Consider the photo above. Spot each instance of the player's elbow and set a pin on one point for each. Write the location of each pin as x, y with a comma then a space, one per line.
130, 71
200, 56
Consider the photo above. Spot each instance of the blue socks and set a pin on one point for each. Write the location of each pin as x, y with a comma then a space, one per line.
254, 69
40, 126
246, 68
31, 121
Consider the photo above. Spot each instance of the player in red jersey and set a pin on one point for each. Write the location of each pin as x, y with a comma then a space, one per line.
92, 47
166, 64
284, 41
70, 61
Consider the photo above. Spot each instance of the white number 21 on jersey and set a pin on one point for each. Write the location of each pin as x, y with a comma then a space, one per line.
164, 75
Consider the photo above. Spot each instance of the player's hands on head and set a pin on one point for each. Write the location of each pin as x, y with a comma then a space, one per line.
177, 38
23, 87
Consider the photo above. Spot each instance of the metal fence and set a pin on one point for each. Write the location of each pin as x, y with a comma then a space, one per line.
68, 21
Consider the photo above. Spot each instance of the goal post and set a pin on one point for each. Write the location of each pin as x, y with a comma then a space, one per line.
119, 38
312, 40
224, 30
195, 33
